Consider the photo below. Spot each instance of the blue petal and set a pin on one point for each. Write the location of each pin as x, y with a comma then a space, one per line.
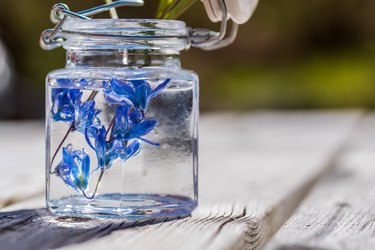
86, 115
63, 104
85, 164
100, 147
81, 169
74, 94
119, 92
76, 98
123, 89
121, 122
138, 83
87, 106
142, 129
67, 157
55, 93
90, 132
115, 99
75, 168
136, 116
132, 150
159, 89
122, 116
114, 150
84, 82
64, 81
141, 96
149, 142
63, 171
142, 92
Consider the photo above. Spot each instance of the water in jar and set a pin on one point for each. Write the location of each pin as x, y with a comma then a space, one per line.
121, 147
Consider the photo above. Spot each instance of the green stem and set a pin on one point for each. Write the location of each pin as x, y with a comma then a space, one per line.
112, 11
172, 9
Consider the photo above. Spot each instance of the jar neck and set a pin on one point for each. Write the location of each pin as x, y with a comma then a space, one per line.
123, 58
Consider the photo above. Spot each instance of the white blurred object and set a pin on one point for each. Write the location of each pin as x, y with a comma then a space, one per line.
7, 100
240, 11
5, 72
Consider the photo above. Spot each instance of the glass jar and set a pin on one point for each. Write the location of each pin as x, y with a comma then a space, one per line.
122, 122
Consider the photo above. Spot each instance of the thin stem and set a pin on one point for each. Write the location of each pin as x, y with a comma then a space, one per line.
112, 11
110, 128
60, 145
92, 96
97, 186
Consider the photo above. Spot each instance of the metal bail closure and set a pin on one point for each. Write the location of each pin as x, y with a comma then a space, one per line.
59, 13
218, 10
239, 11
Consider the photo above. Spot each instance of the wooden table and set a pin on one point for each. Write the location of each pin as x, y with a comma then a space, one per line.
278, 180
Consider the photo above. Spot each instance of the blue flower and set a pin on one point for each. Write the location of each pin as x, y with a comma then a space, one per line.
128, 125
68, 107
74, 169
63, 104
126, 152
86, 114
101, 147
138, 92
109, 151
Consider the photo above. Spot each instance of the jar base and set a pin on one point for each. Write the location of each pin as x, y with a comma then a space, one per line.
124, 206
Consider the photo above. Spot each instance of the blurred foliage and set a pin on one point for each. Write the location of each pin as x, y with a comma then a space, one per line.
172, 9
292, 54
335, 80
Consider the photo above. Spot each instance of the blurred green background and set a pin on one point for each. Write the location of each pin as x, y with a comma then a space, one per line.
291, 55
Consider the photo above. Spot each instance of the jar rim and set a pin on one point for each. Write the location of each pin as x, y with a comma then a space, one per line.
125, 33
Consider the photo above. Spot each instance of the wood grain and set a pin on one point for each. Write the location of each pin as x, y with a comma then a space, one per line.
340, 211
254, 171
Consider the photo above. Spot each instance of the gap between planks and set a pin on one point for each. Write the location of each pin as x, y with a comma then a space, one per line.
246, 194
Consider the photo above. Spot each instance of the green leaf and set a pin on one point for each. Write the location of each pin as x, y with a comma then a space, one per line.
172, 9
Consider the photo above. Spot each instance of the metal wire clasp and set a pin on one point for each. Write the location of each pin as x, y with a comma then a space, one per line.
200, 38
209, 40
60, 11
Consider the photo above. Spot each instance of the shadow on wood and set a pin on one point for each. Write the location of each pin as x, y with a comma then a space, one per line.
39, 229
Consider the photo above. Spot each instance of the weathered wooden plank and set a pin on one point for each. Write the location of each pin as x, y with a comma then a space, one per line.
340, 211
254, 170
38, 229
22, 161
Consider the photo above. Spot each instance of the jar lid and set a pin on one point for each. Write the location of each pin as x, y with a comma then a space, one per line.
124, 34
239, 11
